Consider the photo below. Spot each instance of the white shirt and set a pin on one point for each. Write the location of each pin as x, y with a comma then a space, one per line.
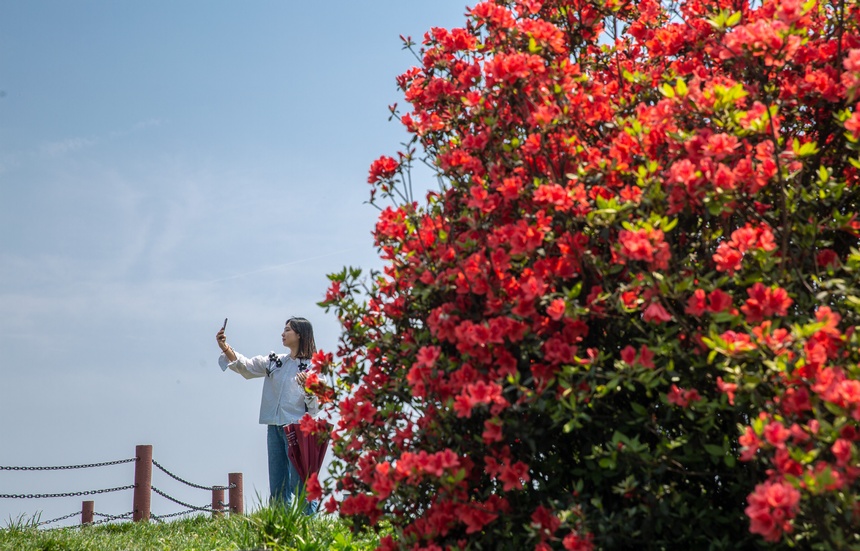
284, 401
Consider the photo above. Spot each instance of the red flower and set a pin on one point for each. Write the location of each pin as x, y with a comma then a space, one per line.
719, 301
784, 463
765, 302
427, 356
313, 488
720, 146
656, 313
646, 357
552, 194
795, 401
556, 309
331, 505
750, 444
545, 521
849, 394
382, 484
576, 542
771, 507
492, 431
853, 123
557, 351
630, 299
475, 517
776, 434
359, 504
827, 258
628, 355
514, 476
676, 396
728, 389
310, 425
681, 397
696, 304
728, 259
730, 253
334, 293
382, 168
543, 374
645, 245
463, 405
842, 450
683, 172
737, 343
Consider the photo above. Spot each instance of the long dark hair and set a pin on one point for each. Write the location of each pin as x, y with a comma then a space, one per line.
305, 331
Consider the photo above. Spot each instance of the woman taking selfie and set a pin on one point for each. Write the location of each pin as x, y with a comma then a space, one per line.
284, 399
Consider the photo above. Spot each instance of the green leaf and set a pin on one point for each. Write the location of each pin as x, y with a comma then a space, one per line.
834, 409
715, 450
670, 225
667, 90
807, 149
719, 21
733, 19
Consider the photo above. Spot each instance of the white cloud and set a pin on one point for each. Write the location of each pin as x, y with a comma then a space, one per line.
138, 126
62, 147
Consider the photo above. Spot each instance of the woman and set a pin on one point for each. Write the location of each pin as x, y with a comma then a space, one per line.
284, 399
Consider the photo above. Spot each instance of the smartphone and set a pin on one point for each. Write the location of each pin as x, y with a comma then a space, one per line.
223, 327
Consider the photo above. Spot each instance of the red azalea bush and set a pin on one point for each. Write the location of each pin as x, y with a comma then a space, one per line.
627, 319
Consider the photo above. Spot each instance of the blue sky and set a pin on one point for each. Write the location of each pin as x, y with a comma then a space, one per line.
164, 165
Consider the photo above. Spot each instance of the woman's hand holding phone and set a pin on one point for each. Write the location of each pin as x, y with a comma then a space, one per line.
222, 338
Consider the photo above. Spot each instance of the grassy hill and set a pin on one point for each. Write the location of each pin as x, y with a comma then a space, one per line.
271, 528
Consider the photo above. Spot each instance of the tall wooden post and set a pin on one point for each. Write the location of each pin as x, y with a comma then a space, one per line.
237, 499
142, 483
86, 512
217, 502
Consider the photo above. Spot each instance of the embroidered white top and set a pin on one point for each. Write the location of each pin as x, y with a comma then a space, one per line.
283, 400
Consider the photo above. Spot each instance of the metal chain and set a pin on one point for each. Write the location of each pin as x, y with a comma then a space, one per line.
103, 521
66, 467
161, 518
69, 494
170, 474
109, 518
70, 515
174, 500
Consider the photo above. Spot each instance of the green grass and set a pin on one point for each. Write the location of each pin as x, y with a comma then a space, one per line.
275, 528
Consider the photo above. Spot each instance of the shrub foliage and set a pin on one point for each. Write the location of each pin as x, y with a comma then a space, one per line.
627, 318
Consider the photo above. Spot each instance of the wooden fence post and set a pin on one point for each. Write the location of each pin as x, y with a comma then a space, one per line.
217, 502
86, 513
142, 483
237, 499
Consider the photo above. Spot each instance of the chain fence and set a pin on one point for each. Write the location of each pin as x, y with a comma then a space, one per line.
104, 518
207, 509
52, 521
65, 494
68, 467
160, 518
198, 486
108, 518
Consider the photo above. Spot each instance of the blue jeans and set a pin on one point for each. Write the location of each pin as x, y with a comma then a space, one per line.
284, 481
